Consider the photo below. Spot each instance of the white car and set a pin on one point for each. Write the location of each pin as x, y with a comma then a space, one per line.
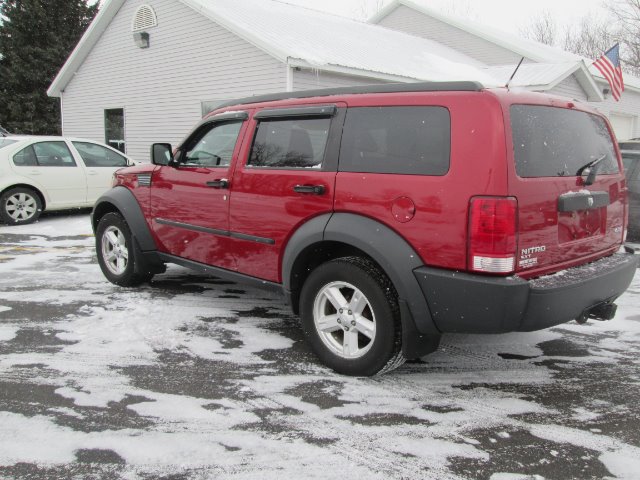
53, 173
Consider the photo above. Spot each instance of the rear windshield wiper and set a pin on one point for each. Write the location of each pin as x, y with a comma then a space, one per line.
590, 170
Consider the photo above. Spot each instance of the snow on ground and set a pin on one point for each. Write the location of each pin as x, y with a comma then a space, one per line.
203, 378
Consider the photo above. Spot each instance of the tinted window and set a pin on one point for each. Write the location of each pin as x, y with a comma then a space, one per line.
295, 143
556, 142
25, 158
98, 156
405, 140
631, 161
4, 142
213, 147
45, 154
629, 145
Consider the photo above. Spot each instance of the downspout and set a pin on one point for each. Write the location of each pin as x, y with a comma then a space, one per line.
289, 86
61, 114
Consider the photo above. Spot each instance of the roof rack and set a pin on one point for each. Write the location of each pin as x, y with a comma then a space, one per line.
361, 89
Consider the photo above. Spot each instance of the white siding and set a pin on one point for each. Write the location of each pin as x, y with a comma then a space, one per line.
569, 88
190, 59
629, 106
312, 79
410, 21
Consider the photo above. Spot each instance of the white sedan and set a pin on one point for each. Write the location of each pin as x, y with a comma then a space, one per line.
53, 173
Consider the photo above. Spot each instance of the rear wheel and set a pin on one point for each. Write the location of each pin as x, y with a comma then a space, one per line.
114, 247
350, 316
19, 206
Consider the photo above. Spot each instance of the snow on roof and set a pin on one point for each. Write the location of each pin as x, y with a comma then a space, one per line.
301, 36
325, 40
536, 51
545, 76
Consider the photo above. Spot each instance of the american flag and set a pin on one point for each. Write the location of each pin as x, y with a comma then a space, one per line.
609, 66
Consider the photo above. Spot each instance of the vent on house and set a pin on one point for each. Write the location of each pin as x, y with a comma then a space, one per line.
144, 18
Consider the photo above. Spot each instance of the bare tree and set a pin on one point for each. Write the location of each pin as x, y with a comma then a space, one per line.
626, 15
593, 35
590, 39
543, 29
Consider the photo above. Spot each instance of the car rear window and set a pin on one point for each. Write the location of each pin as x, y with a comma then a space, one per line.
557, 142
402, 140
5, 142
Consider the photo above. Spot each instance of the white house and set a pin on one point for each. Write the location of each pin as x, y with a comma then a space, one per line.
147, 70
545, 68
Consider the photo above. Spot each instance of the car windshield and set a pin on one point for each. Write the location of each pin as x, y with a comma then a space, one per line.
5, 142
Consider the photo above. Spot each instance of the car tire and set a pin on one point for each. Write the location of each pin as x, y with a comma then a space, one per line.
351, 318
116, 255
20, 206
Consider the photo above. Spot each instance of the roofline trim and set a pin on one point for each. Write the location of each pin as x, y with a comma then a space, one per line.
351, 71
83, 48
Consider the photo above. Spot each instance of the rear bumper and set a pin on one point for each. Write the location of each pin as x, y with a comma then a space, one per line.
466, 303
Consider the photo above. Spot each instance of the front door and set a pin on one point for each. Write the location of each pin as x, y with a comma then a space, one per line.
190, 200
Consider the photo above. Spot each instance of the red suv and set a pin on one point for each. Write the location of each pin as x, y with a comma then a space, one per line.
388, 215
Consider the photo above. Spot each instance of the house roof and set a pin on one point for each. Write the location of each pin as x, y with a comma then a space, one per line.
301, 36
535, 51
545, 76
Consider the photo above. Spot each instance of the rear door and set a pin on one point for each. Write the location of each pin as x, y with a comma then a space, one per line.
100, 163
566, 216
287, 179
51, 165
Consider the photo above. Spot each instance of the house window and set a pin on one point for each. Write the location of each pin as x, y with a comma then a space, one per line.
114, 128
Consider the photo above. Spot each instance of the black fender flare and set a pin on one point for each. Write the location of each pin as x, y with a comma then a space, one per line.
121, 199
126, 203
387, 248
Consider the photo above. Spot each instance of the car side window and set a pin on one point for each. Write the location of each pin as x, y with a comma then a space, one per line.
290, 143
400, 140
94, 155
25, 158
213, 147
45, 154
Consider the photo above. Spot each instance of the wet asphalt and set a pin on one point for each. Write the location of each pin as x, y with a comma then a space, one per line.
576, 387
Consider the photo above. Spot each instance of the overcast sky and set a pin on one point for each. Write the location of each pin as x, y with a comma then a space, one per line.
509, 15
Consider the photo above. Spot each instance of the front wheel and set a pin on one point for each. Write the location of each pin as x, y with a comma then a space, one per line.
19, 206
114, 247
350, 316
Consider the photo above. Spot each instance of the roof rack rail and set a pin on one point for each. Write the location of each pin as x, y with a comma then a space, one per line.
361, 89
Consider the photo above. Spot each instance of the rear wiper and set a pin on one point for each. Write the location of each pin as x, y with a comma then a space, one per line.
590, 170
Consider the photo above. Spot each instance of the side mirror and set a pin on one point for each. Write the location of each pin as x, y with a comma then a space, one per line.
161, 154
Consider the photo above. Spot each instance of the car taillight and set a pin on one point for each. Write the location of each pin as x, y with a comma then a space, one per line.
492, 234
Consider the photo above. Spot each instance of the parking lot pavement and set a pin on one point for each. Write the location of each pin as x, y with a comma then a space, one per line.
194, 377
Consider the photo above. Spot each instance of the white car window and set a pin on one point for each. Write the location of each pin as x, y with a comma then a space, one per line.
95, 155
45, 154
5, 142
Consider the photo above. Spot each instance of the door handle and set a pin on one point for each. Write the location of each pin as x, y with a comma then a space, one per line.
219, 183
35, 172
315, 189
92, 172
